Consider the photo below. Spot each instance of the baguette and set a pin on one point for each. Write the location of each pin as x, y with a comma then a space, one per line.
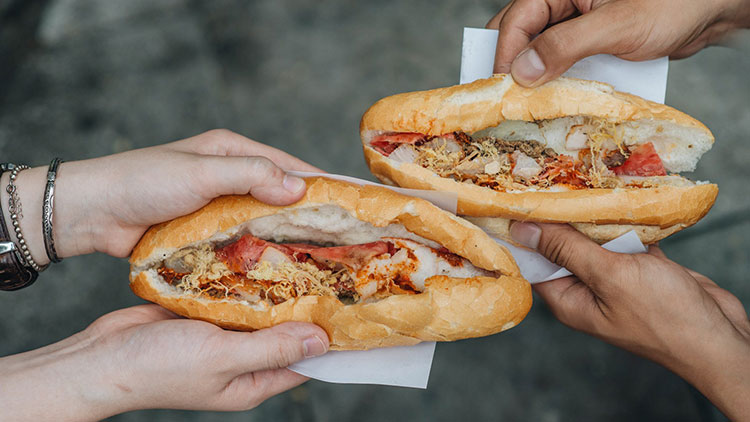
601, 204
448, 308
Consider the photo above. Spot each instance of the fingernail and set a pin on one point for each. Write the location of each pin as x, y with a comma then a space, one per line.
314, 346
293, 184
527, 67
527, 234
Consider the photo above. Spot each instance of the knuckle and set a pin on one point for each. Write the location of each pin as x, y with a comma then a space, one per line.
554, 40
258, 163
204, 168
283, 353
558, 248
262, 166
258, 393
245, 392
220, 134
215, 141
564, 316
624, 264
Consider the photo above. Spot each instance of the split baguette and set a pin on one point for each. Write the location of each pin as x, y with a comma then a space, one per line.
654, 212
448, 309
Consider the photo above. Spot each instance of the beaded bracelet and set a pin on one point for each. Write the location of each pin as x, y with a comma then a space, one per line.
16, 214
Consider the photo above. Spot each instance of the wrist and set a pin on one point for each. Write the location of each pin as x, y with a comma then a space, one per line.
30, 191
70, 224
720, 369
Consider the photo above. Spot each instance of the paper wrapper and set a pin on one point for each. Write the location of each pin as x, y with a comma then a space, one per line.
647, 79
410, 366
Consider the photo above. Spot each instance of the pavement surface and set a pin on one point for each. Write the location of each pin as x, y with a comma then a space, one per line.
86, 78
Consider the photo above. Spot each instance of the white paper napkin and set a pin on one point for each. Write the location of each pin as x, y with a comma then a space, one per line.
407, 366
647, 79
536, 269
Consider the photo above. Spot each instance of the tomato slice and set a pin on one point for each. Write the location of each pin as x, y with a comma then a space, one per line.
643, 161
386, 143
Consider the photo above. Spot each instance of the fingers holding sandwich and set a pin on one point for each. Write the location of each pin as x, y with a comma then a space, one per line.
260, 359
224, 142
276, 347
258, 176
567, 247
629, 29
576, 301
643, 303
144, 357
518, 23
534, 55
109, 202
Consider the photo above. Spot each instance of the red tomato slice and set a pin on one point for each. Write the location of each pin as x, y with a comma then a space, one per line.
386, 143
643, 161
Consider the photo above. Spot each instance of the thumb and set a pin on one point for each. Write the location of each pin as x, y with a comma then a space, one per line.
257, 176
276, 347
602, 30
567, 247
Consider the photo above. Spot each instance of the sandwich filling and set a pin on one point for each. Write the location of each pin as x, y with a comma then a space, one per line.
588, 153
252, 269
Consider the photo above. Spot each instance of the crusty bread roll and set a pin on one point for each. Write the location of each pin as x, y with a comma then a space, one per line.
500, 108
334, 211
599, 233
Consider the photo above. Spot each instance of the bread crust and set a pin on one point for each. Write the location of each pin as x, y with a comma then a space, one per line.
663, 206
488, 102
600, 233
448, 309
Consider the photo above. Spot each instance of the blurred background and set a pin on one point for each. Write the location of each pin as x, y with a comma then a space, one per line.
85, 78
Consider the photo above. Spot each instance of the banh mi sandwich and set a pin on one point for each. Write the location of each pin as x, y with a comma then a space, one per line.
569, 151
372, 267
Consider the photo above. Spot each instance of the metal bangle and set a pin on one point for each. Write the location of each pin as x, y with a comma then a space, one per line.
47, 208
16, 214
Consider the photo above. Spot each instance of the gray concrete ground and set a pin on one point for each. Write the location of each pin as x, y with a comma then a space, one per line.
84, 78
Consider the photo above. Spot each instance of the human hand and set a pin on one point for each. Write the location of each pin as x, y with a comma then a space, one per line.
146, 357
629, 29
651, 306
106, 204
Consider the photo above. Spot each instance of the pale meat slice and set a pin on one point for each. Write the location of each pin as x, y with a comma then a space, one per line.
526, 167
353, 256
274, 256
412, 263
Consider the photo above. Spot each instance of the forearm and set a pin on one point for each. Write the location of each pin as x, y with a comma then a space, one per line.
60, 382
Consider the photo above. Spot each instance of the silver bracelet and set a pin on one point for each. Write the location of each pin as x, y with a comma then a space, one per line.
47, 207
16, 214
